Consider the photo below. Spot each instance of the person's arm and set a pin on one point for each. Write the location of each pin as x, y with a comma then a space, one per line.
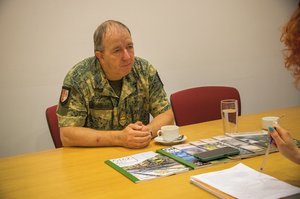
165, 118
286, 144
131, 137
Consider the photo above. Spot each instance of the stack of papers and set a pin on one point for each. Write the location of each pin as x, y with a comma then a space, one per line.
241, 181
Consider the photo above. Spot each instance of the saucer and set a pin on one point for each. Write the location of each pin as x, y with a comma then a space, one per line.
160, 140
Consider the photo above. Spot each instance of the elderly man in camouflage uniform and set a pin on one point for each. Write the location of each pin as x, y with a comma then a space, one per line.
106, 100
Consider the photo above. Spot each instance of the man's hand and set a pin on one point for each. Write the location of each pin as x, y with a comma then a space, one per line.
136, 135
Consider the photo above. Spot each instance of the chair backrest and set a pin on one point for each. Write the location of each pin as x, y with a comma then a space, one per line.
201, 104
53, 125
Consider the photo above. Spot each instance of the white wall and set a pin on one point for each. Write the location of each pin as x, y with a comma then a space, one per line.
191, 43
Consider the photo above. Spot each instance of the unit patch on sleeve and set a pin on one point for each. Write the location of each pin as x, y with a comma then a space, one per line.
64, 95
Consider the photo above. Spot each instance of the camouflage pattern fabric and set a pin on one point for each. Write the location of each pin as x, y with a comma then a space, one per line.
88, 100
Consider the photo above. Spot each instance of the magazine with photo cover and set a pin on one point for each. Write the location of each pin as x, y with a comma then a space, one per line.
246, 150
182, 157
146, 166
259, 138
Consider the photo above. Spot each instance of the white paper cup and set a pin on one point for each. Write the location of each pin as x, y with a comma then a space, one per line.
269, 121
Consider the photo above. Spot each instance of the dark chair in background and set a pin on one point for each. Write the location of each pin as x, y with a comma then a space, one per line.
201, 104
53, 125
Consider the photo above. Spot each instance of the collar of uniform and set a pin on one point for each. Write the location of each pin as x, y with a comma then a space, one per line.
129, 84
101, 83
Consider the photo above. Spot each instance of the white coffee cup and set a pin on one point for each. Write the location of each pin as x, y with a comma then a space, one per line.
269, 121
169, 133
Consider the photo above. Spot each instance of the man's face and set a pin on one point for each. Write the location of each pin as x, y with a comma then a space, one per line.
118, 55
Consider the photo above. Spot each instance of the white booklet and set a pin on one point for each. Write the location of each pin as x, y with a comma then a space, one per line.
242, 181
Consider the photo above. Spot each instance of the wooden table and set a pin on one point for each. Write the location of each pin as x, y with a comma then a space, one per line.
81, 173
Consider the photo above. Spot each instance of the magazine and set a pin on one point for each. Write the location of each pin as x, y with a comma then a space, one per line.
182, 156
259, 138
146, 166
246, 149
208, 144
187, 154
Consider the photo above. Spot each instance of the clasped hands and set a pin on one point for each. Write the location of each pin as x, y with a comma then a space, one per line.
136, 135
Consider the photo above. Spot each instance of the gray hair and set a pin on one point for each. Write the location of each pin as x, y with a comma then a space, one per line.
100, 32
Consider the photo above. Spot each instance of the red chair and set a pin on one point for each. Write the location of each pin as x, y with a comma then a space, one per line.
53, 125
201, 104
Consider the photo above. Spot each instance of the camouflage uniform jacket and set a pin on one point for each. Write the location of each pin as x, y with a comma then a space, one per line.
88, 100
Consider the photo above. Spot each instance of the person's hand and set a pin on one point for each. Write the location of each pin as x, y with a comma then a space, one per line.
136, 135
285, 144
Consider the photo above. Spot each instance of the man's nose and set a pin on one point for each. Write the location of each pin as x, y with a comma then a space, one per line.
126, 54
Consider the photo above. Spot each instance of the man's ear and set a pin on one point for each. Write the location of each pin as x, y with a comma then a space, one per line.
99, 55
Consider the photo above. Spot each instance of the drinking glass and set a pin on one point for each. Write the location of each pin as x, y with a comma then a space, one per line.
229, 112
